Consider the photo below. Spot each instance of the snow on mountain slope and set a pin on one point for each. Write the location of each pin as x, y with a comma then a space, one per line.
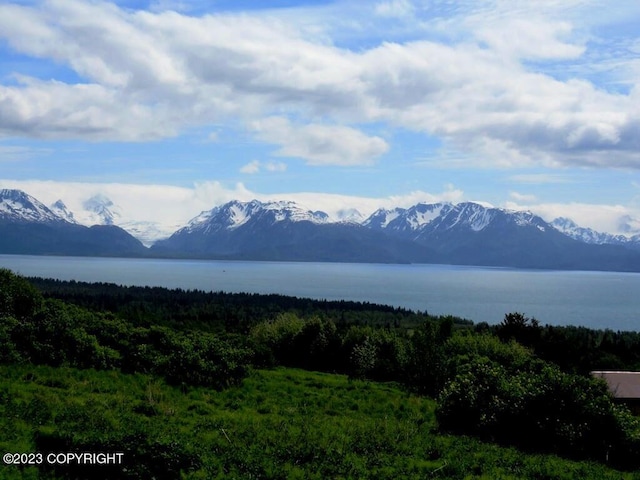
99, 210
410, 223
234, 214
349, 215
406, 219
148, 232
60, 209
471, 215
587, 235
16, 205
476, 217
422, 214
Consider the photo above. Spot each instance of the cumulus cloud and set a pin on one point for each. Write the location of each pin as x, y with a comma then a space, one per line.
153, 74
522, 197
255, 166
530, 38
252, 167
320, 144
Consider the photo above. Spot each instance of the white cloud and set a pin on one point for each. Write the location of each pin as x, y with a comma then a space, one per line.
255, 166
169, 207
252, 167
275, 166
530, 38
522, 197
394, 8
149, 75
320, 144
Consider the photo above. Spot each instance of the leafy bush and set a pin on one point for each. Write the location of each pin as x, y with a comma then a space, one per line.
50, 332
540, 408
18, 298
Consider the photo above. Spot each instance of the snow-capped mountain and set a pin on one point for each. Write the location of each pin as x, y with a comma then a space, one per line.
234, 214
349, 215
406, 221
100, 210
470, 233
17, 206
474, 217
60, 209
283, 231
588, 235
426, 219
465, 233
27, 226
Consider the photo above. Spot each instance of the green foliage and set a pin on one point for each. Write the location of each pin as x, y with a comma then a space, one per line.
537, 407
461, 349
282, 423
278, 338
572, 348
363, 358
425, 371
18, 298
50, 332
517, 326
219, 311
495, 383
198, 359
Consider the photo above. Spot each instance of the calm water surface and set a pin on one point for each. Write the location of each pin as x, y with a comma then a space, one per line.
592, 299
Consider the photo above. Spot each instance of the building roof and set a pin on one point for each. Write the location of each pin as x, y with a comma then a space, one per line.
621, 384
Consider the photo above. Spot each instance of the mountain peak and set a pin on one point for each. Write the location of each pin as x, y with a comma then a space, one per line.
60, 209
101, 210
18, 206
406, 219
234, 214
349, 215
587, 235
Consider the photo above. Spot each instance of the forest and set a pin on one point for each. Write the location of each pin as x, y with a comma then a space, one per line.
193, 384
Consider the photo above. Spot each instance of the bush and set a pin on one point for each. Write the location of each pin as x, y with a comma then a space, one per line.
541, 409
18, 297
51, 332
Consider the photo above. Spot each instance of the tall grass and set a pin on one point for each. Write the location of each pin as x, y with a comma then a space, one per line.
282, 423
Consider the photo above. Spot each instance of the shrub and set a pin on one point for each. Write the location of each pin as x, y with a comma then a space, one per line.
540, 408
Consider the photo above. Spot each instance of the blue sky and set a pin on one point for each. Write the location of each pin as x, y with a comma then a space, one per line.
171, 107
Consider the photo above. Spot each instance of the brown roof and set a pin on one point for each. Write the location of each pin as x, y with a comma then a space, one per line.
621, 384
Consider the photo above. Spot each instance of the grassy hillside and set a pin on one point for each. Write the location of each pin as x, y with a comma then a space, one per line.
282, 423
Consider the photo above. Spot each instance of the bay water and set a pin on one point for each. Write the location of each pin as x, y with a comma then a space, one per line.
591, 299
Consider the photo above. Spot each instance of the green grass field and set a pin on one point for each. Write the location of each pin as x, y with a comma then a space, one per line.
281, 423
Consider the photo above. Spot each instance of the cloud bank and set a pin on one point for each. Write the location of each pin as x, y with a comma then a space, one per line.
467, 79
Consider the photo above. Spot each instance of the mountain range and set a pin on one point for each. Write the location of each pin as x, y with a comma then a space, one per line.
465, 233
27, 226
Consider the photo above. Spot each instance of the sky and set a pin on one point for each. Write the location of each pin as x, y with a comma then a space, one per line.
173, 107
